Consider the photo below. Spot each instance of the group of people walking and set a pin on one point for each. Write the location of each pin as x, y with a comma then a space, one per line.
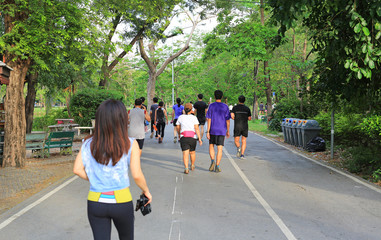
116, 147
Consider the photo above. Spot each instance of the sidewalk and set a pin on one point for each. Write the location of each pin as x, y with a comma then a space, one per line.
18, 184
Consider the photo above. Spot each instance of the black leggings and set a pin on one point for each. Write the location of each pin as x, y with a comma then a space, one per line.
160, 129
101, 214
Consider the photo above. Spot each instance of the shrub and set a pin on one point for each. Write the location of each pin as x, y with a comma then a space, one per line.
371, 126
347, 128
42, 123
291, 108
84, 104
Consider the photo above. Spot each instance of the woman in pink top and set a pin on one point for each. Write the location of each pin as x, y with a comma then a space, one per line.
187, 128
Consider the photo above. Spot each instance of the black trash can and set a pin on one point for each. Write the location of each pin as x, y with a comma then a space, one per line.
310, 129
283, 129
287, 127
294, 136
299, 133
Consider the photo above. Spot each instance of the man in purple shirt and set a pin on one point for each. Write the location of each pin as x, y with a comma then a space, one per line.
218, 117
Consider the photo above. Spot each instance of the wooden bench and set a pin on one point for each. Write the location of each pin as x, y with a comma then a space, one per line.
62, 140
35, 141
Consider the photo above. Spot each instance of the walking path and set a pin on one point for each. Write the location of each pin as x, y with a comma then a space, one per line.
273, 194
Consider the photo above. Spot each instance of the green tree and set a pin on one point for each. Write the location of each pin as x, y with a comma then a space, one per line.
33, 29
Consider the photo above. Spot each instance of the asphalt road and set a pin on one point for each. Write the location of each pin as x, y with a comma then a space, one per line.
273, 194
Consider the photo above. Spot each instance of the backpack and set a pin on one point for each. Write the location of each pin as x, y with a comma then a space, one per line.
160, 115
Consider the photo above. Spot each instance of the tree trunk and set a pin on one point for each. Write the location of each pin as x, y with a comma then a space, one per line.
268, 87
15, 123
29, 101
255, 101
151, 88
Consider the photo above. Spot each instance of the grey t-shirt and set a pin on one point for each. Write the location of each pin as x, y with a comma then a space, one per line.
136, 127
153, 111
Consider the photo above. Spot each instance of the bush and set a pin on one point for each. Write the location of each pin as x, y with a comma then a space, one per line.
287, 108
84, 104
371, 126
365, 160
42, 123
347, 128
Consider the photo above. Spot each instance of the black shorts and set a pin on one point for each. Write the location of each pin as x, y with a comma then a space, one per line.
140, 142
217, 139
188, 143
239, 131
201, 121
174, 122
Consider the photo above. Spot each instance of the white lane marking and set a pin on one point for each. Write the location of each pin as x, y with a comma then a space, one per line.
32, 205
368, 185
176, 223
286, 231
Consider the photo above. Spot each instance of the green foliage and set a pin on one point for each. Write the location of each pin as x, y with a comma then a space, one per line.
371, 126
292, 108
84, 104
346, 37
364, 160
42, 123
347, 128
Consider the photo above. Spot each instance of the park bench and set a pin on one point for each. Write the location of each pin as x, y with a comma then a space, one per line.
62, 140
35, 141
86, 128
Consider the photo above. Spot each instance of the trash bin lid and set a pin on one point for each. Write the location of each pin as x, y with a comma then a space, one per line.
300, 123
310, 124
295, 122
289, 122
283, 122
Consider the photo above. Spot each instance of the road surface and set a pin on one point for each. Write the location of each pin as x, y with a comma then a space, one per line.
273, 194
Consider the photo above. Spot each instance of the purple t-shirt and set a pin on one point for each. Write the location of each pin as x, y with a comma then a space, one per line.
218, 112
178, 110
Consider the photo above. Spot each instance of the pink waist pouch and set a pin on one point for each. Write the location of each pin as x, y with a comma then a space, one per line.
188, 134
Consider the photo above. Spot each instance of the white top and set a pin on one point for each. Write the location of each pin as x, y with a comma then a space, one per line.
187, 123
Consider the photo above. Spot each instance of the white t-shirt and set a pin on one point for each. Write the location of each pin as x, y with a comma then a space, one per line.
187, 123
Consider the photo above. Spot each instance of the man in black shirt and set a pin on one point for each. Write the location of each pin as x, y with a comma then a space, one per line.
241, 114
200, 110
153, 108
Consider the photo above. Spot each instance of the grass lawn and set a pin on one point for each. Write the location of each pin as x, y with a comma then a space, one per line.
261, 127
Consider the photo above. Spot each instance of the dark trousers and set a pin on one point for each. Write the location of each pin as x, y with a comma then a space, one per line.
160, 129
153, 123
101, 214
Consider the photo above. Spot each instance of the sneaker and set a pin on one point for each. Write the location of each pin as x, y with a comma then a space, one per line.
174, 139
151, 135
212, 165
242, 157
217, 169
238, 151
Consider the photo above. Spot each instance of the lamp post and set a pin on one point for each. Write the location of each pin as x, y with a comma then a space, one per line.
173, 84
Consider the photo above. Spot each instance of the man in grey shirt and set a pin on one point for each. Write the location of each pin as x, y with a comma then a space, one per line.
136, 117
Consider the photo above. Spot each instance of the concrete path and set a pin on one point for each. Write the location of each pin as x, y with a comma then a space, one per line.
273, 194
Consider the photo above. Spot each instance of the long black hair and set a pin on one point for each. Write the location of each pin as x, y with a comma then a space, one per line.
110, 137
178, 101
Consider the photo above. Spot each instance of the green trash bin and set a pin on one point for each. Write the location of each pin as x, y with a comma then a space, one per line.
294, 137
284, 130
288, 130
299, 133
310, 129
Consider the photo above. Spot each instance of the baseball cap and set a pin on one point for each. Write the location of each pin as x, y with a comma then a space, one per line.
188, 106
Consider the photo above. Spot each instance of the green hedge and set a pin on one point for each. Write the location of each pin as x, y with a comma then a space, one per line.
84, 104
42, 123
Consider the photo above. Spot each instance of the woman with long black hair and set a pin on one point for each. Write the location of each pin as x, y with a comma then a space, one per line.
178, 109
104, 160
